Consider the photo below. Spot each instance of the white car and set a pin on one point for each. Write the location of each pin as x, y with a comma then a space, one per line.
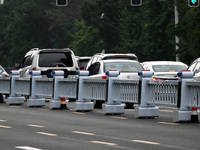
128, 68
128, 71
164, 70
195, 67
83, 61
3, 73
111, 56
48, 60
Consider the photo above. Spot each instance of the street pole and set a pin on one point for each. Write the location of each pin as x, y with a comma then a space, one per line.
176, 37
1, 2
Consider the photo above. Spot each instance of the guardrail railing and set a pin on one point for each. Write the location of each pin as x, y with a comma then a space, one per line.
183, 93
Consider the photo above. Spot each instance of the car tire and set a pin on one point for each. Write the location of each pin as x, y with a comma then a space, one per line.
129, 105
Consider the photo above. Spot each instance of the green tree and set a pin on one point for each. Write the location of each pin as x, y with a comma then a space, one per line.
188, 32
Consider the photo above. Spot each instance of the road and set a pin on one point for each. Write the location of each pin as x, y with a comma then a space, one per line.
39, 128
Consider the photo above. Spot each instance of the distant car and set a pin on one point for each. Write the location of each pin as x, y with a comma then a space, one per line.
3, 73
102, 56
195, 67
48, 60
128, 68
164, 70
82, 61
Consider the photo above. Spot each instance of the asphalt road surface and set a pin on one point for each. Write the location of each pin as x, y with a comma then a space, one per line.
39, 128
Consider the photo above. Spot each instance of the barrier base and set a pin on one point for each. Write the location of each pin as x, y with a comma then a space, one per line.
84, 106
36, 102
179, 116
141, 112
113, 109
15, 100
54, 104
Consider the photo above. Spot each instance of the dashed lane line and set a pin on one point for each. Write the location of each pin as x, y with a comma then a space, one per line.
44, 109
119, 117
2, 120
45, 133
85, 133
168, 123
146, 142
34, 125
27, 148
104, 143
15, 106
7, 127
79, 113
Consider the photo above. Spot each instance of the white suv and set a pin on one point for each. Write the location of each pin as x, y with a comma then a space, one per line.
47, 60
102, 56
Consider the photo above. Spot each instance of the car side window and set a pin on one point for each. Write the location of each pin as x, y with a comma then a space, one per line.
94, 68
27, 61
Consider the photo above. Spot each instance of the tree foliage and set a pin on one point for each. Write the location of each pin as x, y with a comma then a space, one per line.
89, 26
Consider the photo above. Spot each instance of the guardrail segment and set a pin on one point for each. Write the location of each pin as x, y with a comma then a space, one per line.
183, 93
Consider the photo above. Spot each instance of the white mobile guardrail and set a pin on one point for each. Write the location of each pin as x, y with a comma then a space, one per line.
146, 92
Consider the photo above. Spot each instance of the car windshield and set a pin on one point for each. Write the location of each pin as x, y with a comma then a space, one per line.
83, 63
55, 59
169, 68
123, 66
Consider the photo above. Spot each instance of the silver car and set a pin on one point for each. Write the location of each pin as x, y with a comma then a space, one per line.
128, 68
164, 70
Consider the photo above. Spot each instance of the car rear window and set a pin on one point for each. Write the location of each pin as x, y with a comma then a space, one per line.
169, 68
53, 59
123, 66
120, 57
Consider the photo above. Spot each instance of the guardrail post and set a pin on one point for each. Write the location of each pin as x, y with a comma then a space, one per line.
183, 112
82, 104
14, 98
145, 109
56, 100
111, 106
34, 99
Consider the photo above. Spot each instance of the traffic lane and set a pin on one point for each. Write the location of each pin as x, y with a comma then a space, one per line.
102, 126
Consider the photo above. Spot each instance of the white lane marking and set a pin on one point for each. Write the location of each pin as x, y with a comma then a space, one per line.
34, 125
27, 148
167, 110
2, 120
86, 133
7, 127
49, 134
105, 143
146, 142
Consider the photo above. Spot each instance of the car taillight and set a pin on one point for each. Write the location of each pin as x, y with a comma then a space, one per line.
6, 76
104, 77
155, 79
